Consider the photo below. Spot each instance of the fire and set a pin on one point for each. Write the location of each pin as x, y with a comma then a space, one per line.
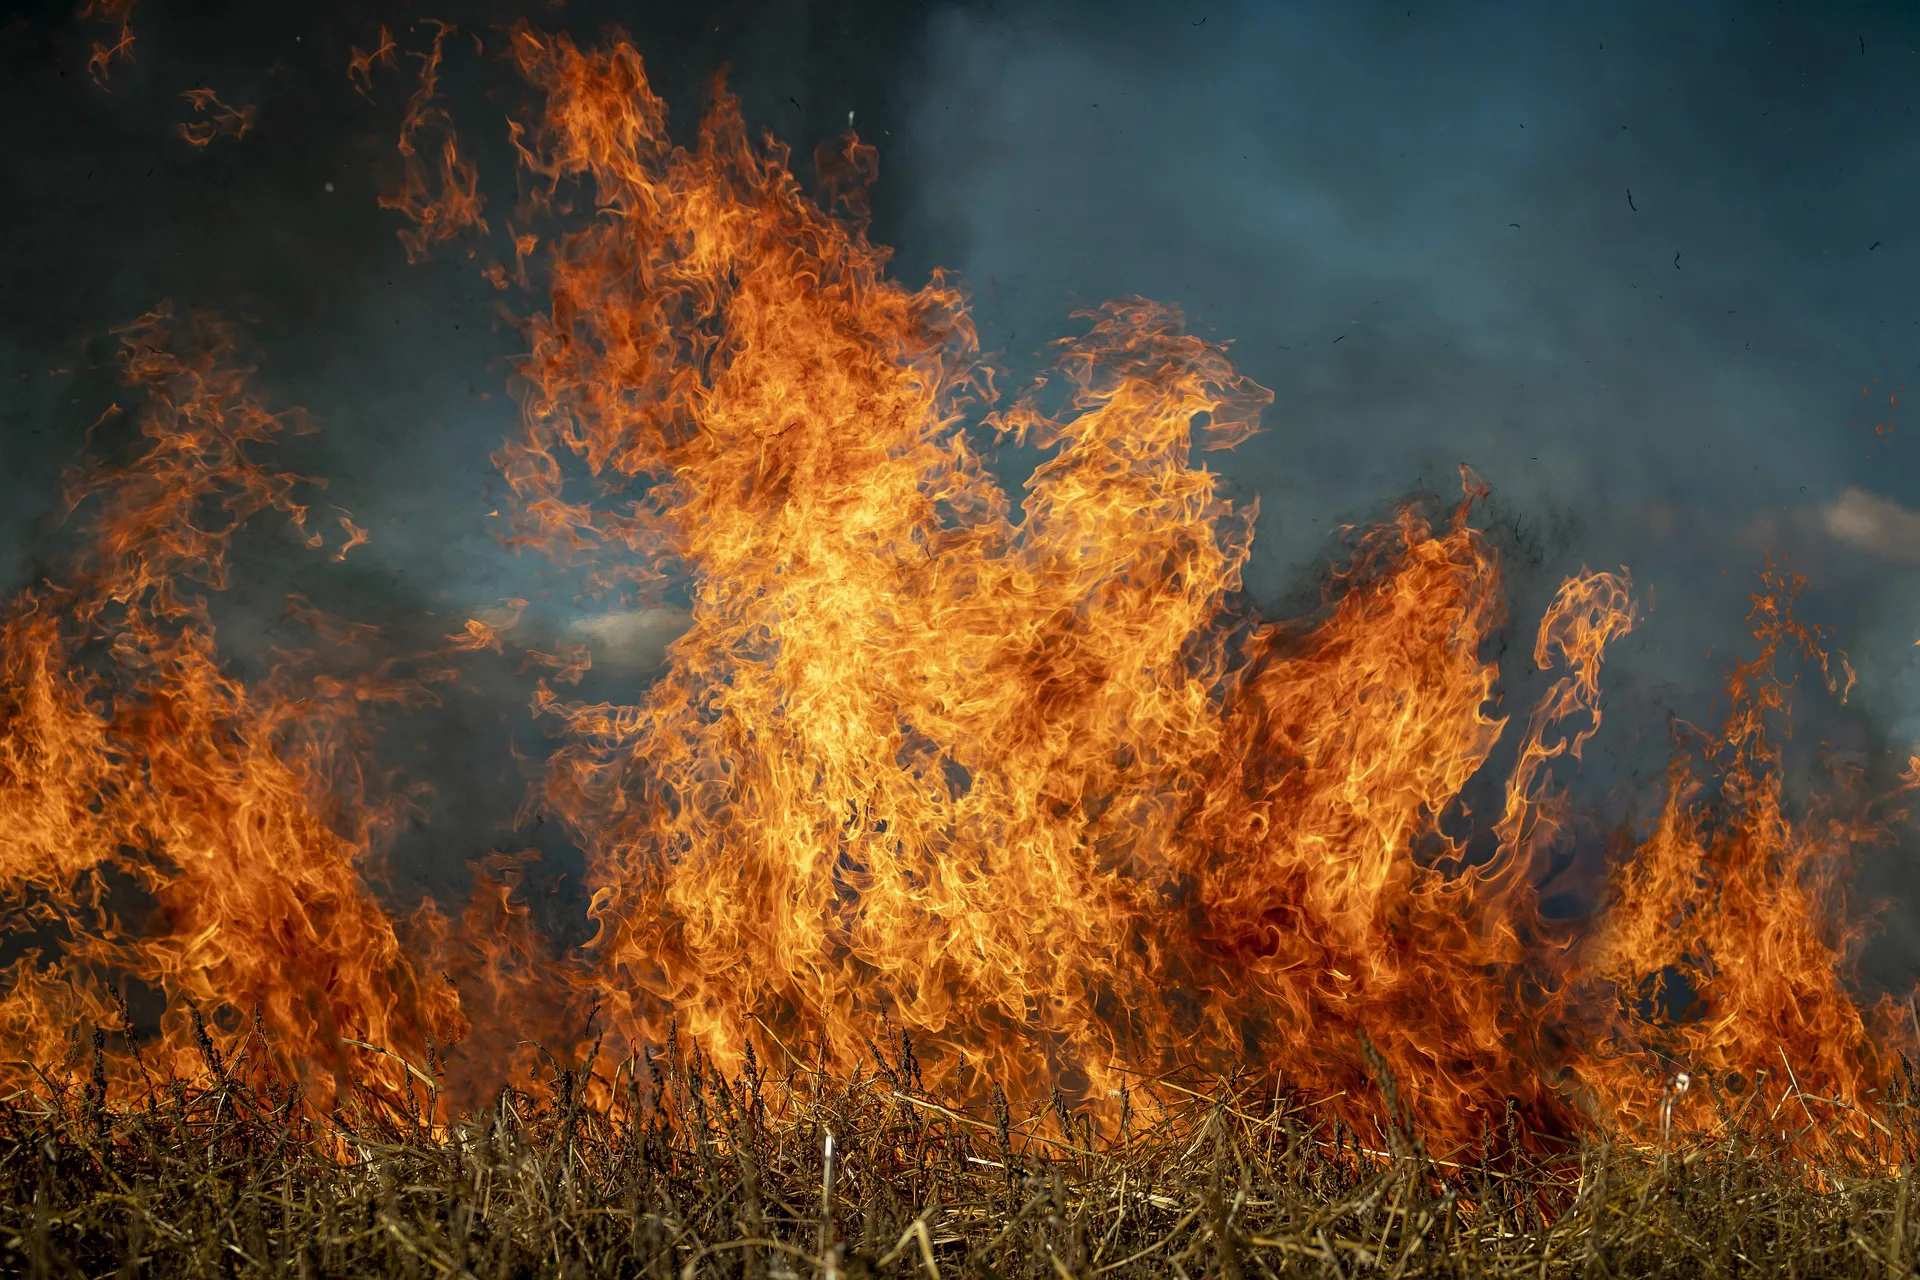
115, 14
440, 199
219, 119
360, 66
1036, 787
1739, 901
167, 823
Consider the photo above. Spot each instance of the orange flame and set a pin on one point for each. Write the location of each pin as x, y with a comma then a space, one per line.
1039, 787
356, 536
1733, 900
221, 119
446, 203
1035, 789
110, 13
138, 777
362, 62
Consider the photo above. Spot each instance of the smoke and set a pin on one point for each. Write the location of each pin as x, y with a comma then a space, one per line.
1880, 527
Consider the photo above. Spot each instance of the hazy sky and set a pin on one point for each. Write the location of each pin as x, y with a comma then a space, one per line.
1634, 263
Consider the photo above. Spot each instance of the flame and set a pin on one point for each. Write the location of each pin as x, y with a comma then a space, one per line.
1036, 786
221, 119
1733, 901
175, 826
361, 63
485, 629
356, 536
442, 203
1038, 789
117, 14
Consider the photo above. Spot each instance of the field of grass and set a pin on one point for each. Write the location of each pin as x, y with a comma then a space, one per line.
665, 1169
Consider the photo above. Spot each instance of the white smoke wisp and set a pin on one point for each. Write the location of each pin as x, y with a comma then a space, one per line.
629, 641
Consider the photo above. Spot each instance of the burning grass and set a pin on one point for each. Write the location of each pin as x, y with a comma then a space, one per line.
667, 1166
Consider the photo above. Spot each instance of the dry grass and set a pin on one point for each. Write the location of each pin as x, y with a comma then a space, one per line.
678, 1171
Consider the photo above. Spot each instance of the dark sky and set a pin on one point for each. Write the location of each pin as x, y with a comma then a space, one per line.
1414, 223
